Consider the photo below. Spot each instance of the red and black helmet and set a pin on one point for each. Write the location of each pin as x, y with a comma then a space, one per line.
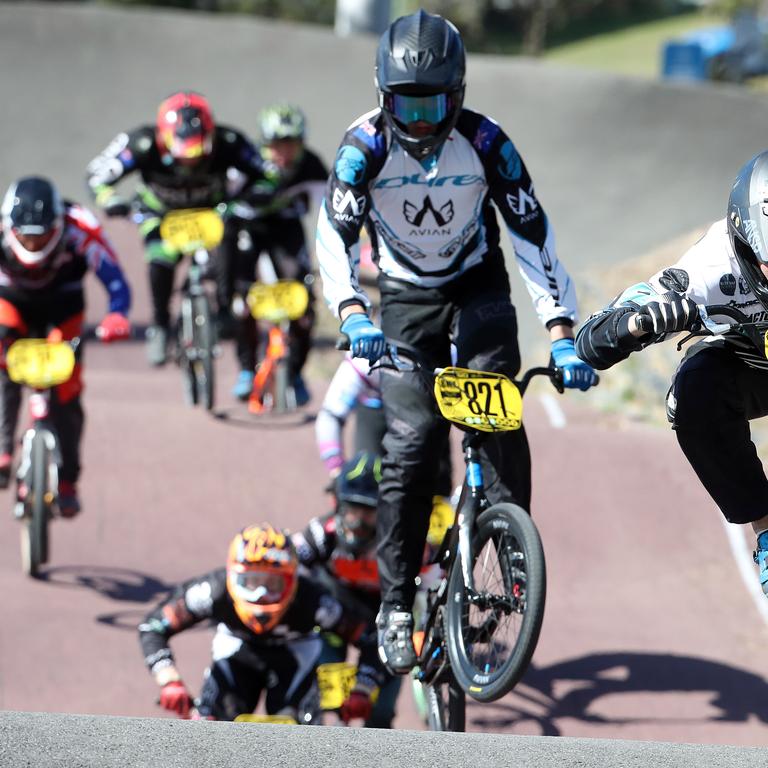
185, 127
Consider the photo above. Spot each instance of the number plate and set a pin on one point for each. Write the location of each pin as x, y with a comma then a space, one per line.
488, 402
273, 719
189, 230
335, 681
275, 302
40, 364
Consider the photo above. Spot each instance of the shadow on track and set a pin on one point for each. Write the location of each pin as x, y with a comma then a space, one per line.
115, 583
238, 417
571, 688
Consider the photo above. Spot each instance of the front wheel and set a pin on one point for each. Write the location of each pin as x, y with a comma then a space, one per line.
205, 350
34, 534
492, 634
445, 703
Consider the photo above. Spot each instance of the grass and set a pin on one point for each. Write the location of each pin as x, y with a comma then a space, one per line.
632, 51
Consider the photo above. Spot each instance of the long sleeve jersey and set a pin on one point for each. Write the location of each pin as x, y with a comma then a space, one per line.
351, 385
206, 598
166, 185
708, 273
430, 225
83, 246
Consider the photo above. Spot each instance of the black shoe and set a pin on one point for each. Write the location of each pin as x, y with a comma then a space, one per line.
395, 634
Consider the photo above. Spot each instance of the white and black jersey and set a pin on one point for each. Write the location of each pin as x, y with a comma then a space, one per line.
429, 224
707, 273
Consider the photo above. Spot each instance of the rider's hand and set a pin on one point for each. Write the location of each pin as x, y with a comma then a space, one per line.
365, 339
116, 207
659, 317
357, 706
576, 373
175, 697
113, 327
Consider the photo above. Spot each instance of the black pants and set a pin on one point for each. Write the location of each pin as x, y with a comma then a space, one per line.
286, 673
713, 396
475, 312
284, 241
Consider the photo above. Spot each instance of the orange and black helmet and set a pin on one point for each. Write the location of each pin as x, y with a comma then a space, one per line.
261, 576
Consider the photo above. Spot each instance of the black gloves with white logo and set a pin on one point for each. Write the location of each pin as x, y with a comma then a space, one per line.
678, 313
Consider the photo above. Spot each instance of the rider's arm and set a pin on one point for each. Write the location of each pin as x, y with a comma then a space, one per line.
316, 542
121, 157
511, 189
612, 334
342, 214
192, 602
340, 399
101, 257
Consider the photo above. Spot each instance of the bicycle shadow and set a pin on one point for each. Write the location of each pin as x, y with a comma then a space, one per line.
573, 688
122, 584
240, 418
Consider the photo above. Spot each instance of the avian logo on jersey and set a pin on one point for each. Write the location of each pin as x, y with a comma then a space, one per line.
414, 215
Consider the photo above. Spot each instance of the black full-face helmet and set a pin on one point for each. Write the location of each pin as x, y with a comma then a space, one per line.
420, 66
357, 491
748, 223
33, 221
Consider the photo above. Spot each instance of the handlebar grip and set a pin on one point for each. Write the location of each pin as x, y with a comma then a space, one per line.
342, 343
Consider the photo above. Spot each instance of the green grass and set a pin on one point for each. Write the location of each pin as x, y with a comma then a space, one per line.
632, 51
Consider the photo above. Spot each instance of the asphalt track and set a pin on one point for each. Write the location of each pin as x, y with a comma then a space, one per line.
649, 633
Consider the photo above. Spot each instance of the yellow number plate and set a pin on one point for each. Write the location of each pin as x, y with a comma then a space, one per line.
274, 719
335, 681
274, 302
39, 363
489, 402
191, 229
441, 519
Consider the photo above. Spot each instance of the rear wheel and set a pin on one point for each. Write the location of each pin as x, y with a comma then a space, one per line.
285, 400
491, 636
34, 534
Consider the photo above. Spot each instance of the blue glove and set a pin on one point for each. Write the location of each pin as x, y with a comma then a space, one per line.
576, 373
365, 339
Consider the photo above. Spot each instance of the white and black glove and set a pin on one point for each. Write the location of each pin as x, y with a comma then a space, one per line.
659, 317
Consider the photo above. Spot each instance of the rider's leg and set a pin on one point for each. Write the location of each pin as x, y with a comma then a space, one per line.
292, 682
162, 270
230, 688
68, 416
485, 333
246, 332
713, 396
12, 327
291, 261
384, 710
413, 443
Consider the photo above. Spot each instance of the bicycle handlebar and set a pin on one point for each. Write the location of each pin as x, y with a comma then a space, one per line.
396, 351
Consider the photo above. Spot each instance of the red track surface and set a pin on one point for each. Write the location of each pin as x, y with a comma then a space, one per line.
648, 633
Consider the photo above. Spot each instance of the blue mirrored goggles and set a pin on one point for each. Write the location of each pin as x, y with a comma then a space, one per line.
412, 109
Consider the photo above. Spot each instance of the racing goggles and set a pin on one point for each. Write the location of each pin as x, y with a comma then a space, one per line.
262, 587
413, 109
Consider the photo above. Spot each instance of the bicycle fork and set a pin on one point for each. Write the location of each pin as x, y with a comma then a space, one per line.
467, 514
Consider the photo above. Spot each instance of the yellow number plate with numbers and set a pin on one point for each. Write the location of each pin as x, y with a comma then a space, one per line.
188, 230
275, 302
335, 681
273, 719
40, 364
488, 402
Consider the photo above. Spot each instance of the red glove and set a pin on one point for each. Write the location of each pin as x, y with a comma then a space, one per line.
357, 705
114, 327
175, 697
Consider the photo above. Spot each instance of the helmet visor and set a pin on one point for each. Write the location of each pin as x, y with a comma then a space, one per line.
262, 587
418, 109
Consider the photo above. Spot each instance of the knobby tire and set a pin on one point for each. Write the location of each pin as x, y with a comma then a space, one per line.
515, 555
